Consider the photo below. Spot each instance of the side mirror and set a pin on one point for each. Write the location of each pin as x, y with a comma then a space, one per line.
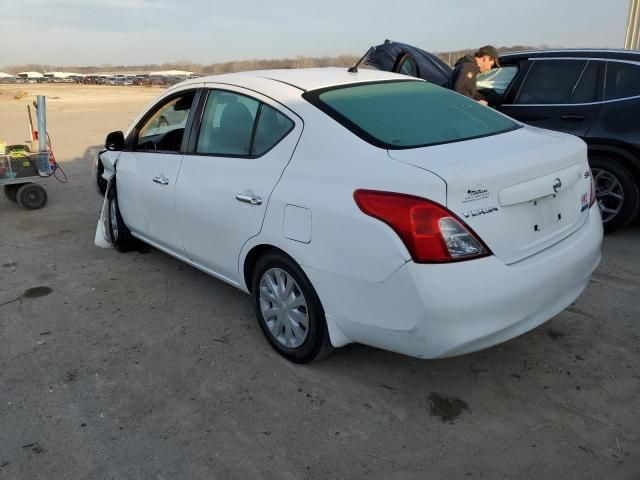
115, 141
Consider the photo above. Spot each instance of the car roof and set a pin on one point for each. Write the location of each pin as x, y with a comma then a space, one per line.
614, 54
306, 79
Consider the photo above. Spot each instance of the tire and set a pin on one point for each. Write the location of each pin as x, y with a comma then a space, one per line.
120, 235
616, 192
285, 313
11, 192
31, 196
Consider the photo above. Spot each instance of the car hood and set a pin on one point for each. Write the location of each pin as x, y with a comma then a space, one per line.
430, 67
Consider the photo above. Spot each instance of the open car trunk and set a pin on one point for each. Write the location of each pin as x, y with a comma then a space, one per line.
518, 203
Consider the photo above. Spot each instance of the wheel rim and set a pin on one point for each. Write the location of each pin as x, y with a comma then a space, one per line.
113, 219
284, 308
609, 193
33, 198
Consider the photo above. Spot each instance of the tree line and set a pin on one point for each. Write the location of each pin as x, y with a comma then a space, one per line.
238, 65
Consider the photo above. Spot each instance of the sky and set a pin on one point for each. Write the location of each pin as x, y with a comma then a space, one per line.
129, 32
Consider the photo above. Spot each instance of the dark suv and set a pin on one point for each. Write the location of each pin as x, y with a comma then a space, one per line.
594, 94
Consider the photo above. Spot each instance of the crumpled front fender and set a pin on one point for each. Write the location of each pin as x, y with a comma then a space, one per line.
102, 237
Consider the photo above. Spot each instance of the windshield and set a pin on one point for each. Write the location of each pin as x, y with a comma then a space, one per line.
408, 114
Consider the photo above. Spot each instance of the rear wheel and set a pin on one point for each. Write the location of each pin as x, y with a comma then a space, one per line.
616, 192
31, 196
11, 192
288, 309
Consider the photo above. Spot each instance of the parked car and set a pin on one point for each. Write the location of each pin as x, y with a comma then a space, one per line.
594, 94
142, 80
361, 207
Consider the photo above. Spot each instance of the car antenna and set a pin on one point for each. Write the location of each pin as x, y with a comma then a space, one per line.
354, 69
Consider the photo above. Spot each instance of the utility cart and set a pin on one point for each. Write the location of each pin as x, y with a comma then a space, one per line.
19, 177
21, 169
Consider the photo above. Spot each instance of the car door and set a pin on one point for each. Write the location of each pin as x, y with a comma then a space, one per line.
148, 169
495, 84
559, 94
619, 117
244, 142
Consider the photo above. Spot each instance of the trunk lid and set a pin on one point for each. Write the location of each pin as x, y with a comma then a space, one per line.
521, 191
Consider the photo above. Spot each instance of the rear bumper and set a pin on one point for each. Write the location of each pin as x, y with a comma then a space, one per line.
431, 311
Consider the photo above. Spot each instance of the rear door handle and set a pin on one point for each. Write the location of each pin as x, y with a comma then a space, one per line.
251, 199
571, 116
162, 180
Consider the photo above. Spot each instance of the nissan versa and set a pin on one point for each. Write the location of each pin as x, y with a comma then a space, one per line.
361, 207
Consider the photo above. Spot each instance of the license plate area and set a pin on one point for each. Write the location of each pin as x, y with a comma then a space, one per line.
547, 214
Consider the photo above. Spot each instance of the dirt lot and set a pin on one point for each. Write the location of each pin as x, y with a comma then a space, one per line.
139, 367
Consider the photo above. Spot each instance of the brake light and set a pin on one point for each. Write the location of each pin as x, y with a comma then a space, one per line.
592, 193
431, 233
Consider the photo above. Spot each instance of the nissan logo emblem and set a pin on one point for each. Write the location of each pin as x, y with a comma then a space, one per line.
557, 185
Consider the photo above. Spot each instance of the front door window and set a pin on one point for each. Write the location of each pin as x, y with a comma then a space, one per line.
164, 130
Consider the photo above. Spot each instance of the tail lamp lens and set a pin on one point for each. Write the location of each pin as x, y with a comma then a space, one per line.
431, 233
592, 194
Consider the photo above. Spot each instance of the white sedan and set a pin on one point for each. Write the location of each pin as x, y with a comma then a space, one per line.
361, 207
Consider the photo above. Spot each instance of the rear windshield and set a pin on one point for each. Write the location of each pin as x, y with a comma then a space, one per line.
408, 114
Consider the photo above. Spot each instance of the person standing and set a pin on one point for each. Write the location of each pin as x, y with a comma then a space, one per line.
467, 68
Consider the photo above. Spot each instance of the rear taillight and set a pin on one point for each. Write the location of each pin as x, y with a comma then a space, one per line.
592, 193
431, 233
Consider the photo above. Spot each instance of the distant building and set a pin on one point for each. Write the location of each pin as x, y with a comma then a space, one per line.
29, 75
60, 76
171, 73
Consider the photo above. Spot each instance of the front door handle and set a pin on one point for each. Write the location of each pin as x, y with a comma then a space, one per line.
574, 117
162, 180
251, 199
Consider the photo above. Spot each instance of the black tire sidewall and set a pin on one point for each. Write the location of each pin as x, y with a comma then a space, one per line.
24, 190
124, 242
629, 187
317, 334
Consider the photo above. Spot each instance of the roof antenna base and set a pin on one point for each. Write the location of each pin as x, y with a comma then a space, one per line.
354, 69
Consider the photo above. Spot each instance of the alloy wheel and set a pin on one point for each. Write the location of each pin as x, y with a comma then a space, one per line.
609, 194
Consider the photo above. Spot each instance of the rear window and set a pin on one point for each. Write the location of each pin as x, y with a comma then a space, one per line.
408, 114
623, 80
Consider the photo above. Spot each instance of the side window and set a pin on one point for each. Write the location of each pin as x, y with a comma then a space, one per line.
552, 82
227, 124
497, 79
586, 89
272, 127
407, 66
164, 129
623, 80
